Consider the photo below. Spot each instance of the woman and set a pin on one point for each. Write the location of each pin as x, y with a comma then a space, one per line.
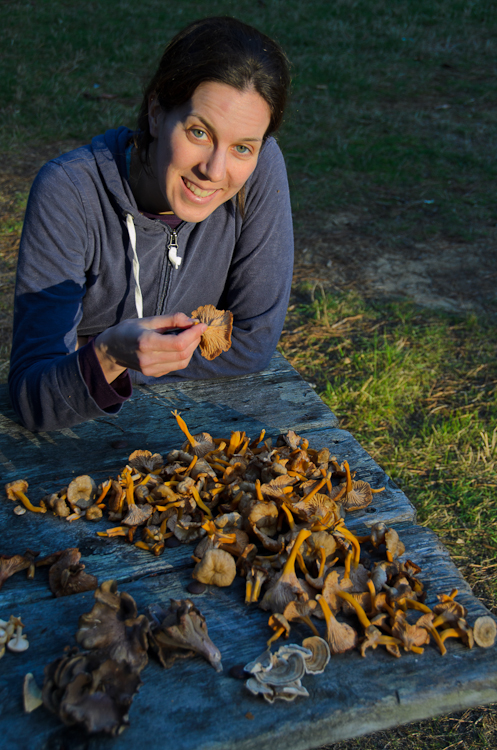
124, 238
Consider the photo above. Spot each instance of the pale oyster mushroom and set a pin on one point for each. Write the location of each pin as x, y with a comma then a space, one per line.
32, 696
217, 337
320, 654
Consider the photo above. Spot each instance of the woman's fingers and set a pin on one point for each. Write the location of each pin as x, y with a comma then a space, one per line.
143, 344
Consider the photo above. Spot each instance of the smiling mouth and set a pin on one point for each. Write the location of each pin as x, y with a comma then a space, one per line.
197, 191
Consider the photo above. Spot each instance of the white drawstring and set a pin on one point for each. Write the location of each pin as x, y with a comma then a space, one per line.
136, 265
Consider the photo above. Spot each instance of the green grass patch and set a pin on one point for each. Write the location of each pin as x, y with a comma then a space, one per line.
417, 390
392, 102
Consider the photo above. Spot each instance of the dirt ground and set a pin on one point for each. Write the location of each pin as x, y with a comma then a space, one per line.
444, 275
333, 251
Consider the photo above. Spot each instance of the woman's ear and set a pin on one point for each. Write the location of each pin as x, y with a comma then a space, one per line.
154, 111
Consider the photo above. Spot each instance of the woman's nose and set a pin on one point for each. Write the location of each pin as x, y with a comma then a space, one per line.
214, 169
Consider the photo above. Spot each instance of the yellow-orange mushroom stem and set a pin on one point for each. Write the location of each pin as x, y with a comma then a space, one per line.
363, 618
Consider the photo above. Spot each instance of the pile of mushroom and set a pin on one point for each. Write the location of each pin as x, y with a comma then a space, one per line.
95, 688
279, 675
273, 512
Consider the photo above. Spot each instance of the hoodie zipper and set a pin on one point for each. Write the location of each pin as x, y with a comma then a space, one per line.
172, 260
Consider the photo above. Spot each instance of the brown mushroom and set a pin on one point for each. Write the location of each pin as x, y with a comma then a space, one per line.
81, 492
340, 636
217, 567
181, 631
287, 586
217, 337
114, 627
67, 575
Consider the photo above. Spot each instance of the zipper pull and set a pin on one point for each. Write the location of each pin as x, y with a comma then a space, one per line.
172, 250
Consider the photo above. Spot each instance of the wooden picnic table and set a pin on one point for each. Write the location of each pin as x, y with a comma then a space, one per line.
190, 705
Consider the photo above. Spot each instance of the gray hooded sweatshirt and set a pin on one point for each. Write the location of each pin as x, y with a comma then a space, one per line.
88, 255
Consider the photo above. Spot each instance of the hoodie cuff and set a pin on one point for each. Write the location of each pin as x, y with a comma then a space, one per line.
104, 394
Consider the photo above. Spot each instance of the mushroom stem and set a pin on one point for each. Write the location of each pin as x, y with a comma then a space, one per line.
191, 465
289, 516
413, 604
258, 491
436, 637
301, 563
352, 539
348, 562
315, 489
248, 590
200, 502
275, 637
28, 504
258, 440
105, 488
363, 618
328, 480
449, 633
348, 484
184, 429
322, 555
290, 563
372, 593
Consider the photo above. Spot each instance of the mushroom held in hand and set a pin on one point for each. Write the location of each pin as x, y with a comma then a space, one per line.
217, 337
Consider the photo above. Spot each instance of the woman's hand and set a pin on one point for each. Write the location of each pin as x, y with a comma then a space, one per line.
143, 344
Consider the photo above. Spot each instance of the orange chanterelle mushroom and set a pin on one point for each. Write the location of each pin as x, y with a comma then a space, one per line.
217, 338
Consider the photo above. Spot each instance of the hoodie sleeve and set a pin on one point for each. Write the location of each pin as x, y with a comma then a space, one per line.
46, 386
260, 276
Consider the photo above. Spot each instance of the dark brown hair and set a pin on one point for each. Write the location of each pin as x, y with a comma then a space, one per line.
220, 49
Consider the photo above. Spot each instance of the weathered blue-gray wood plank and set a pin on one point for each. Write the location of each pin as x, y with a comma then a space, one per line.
194, 708
191, 706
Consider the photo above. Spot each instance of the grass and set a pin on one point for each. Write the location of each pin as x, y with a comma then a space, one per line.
393, 107
392, 119
417, 389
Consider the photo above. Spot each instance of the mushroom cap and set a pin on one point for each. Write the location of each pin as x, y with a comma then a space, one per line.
286, 668
359, 497
11, 565
18, 485
217, 567
203, 445
145, 461
81, 490
137, 515
320, 651
217, 337
485, 631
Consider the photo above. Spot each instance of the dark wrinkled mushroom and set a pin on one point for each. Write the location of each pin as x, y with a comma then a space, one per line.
67, 575
114, 627
180, 632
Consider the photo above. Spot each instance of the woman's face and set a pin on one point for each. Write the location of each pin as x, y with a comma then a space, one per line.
205, 150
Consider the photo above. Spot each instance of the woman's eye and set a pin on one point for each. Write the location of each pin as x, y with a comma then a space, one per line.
242, 150
197, 133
